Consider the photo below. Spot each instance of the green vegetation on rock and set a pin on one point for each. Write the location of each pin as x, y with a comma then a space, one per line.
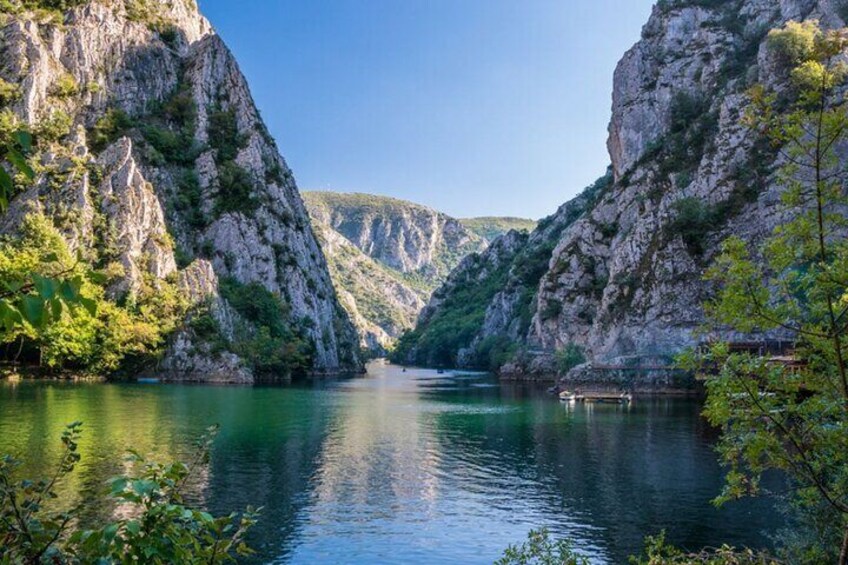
456, 321
272, 344
104, 336
492, 227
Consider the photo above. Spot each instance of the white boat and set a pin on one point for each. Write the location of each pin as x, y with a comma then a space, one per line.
620, 398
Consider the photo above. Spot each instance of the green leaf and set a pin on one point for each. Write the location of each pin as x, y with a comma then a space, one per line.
118, 485
24, 140
6, 186
133, 527
46, 287
20, 163
32, 309
89, 305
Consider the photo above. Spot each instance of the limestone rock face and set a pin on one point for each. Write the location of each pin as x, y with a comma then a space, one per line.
148, 81
134, 214
620, 279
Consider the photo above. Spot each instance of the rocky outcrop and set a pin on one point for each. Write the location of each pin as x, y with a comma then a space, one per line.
176, 164
190, 359
133, 216
485, 305
626, 277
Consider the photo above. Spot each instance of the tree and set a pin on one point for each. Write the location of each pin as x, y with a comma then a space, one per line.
792, 416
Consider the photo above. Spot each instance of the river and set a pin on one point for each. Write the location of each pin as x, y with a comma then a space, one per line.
406, 467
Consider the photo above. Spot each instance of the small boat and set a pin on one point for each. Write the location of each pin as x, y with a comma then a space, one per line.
568, 396
440, 371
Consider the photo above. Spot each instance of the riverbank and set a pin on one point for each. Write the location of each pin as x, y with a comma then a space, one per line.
637, 375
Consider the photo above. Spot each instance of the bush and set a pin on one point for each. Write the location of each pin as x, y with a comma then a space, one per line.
494, 351
9, 92
54, 127
108, 128
540, 549
161, 529
224, 135
65, 87
274, 344
795, 42
235, 190
569, 357
189, 200
694, 220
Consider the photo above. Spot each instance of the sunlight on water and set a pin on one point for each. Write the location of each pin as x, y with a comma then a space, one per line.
400, 466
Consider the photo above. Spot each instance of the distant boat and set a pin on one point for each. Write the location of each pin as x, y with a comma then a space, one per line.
440, 371
620, 398
148, 381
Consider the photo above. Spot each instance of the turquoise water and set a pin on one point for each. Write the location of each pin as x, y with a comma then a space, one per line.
406, 467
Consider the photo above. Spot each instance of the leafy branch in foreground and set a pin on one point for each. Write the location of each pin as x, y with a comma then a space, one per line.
658, 552
160, 529
540, 549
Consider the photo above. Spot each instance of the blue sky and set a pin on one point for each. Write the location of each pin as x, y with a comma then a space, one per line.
473, 107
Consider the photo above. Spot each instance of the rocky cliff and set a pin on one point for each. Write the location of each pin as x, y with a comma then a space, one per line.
625, 278
386, 256
153, 153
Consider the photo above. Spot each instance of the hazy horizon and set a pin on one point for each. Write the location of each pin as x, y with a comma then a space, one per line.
471, 107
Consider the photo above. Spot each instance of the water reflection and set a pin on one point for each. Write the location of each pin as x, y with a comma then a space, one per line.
403, 466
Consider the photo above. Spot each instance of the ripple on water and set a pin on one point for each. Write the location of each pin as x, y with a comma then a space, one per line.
414, 467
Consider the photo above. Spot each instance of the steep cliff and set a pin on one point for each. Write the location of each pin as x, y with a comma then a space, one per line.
387, 255
481, 314
152, 153
626, 277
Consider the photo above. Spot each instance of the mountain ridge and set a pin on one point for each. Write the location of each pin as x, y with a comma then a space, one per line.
386, 256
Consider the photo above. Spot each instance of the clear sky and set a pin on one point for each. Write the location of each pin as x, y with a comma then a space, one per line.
473, 107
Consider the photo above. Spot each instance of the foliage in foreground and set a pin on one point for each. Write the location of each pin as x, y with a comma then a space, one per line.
540, 549
160, 527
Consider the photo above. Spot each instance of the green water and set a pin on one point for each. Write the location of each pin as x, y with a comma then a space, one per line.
407, 467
